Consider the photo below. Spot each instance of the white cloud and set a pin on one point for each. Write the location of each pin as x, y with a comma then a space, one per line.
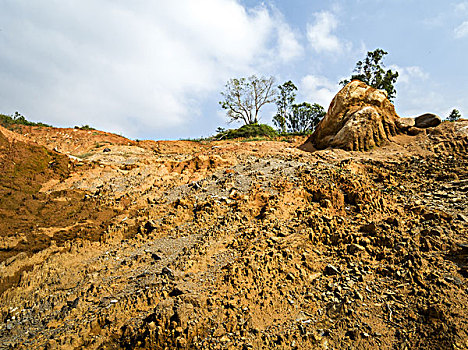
288, 46
461, 7
131, 67
461, 31
407, 75
320, 33
318, 89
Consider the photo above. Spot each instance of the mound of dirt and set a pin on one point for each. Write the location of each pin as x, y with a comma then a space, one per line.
359, 118
30, 221
77, 142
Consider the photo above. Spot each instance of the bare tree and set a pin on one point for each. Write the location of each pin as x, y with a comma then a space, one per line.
244, 97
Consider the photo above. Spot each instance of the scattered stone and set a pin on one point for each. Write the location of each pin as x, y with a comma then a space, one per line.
331, 270
462, 217
370, 228
454, 280
176, 292
150, 226
167, 271
155, 257
355, 248
73, 303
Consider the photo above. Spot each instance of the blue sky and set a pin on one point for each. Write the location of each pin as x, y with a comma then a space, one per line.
155, 69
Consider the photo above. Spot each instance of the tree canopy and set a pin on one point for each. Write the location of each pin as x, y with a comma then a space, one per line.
292, 117
284, 102
371, 71
454, 115
305, 117
244, 97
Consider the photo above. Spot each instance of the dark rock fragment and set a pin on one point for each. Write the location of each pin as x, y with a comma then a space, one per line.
331, 270
167, 271
427, 120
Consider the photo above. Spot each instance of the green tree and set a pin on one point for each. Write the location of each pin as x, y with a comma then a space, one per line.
305, 117
244, 97
371, 71
454, 115
284, 102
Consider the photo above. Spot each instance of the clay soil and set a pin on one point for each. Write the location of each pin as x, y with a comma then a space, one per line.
108, 243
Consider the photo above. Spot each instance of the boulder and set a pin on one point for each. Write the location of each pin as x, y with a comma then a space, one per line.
427, 120
405, 123
359, 118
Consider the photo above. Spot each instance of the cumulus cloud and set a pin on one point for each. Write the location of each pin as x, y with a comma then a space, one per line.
131, 67
320, 34
461, 31
318, 89
289, 47
408, 74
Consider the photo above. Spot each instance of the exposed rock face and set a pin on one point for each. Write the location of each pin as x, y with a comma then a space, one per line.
427, 120
359, 118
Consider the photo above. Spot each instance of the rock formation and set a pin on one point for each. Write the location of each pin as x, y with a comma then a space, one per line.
359, 118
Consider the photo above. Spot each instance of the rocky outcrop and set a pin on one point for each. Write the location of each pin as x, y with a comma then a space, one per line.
359, 118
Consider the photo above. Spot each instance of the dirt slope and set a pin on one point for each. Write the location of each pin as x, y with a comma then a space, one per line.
234, 245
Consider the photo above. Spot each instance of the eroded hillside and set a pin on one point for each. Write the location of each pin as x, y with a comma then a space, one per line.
110, 243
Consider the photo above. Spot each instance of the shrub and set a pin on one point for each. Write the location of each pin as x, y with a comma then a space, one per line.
454, 115
247, 131
84, 127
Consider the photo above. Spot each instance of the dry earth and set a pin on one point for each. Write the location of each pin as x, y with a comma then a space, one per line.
231, 244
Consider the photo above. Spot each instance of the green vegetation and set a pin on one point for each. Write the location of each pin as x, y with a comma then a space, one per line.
371, 71
305, 117
454, 115
244, 97
284, 102
247, 131
295, 118
10, 122
84, 127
